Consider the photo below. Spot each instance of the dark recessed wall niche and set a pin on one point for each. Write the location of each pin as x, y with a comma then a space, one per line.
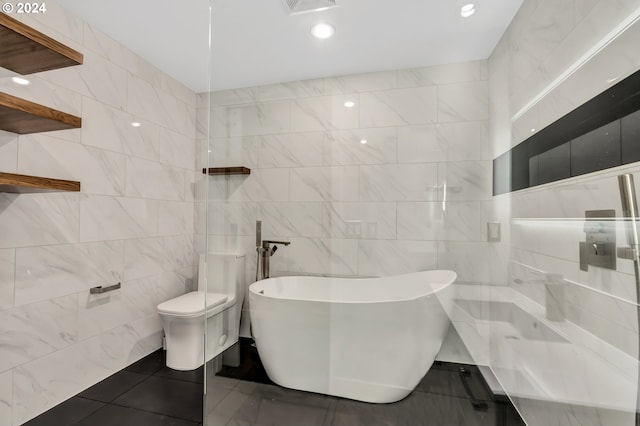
600, 134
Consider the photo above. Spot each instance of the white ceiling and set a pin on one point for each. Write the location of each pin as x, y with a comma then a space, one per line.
256, 42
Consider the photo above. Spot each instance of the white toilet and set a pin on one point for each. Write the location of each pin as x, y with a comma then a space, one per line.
221, 277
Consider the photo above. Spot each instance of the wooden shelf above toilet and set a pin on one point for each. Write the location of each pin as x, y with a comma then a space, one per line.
215, 171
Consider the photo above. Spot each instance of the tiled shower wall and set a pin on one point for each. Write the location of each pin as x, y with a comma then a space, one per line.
131, 223
414, 197
543, 224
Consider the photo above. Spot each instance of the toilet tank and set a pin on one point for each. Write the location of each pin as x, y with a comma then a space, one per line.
221, 272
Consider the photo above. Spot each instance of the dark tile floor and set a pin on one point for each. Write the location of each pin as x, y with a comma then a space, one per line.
245, 396
148, 393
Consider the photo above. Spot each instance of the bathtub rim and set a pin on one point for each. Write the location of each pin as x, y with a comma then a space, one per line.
253, 288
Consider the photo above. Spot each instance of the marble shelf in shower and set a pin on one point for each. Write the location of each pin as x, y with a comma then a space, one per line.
21, 116
25, 50
214, 171
23, 184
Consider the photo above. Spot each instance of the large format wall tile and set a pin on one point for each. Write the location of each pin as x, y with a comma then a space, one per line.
394, 257
112, 218
359, 146
323, 256
99, 171
398, 107
35, 330
359, 220
446, 221
6, 397
46, 272
290, 150
291, 219
463, 102
7, 277
64, 373
324, 184
411, 182
439, 74
31, 220
132, 222
323, 113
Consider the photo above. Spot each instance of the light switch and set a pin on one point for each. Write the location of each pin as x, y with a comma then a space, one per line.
493, 232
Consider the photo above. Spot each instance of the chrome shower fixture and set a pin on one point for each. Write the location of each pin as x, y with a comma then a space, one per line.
304, 6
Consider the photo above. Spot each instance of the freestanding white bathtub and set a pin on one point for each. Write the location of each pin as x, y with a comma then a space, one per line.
366, 339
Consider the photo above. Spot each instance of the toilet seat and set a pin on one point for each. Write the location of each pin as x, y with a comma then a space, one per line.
191, 304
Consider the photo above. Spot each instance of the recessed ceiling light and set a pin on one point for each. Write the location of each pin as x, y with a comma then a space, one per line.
533, 130
467, 10
322, 31
136, 124
363, 141
611, 80
20, 80
349, 104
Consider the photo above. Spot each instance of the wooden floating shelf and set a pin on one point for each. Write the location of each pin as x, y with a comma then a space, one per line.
25, 50
23, 184
22, 116
214, 171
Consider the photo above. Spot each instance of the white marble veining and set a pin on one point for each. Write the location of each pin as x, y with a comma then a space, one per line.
32, 331
443, 142
109, 128
261, 185
463, 101
7, 277
149, 179
391, 257
99, 171
235, 151
290, 150
359, 220
358, 83
47, 381
8, 151
146, 101
141, 338
324, 113
323, 256
46, 272
6, 397
177, 149
449, 221
345, 147
103, 312
465, 181
231, 218
175, 217
439, 74
112, 218
398, 107
97, 78
406, 182
470, 260
31, 220
251, 119
324, 184
133, 221
300, 219
292, 90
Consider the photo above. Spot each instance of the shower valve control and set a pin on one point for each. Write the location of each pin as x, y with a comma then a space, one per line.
599, 249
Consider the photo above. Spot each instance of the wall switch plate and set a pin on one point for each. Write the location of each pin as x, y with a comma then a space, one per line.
493, 232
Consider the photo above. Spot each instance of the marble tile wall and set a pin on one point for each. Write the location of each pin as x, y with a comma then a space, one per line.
542, 226
132, 222
412, 198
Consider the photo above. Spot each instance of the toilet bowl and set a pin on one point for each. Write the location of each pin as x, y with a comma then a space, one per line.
218, 300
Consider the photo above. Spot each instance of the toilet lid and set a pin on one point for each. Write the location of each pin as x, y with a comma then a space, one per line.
191, 304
